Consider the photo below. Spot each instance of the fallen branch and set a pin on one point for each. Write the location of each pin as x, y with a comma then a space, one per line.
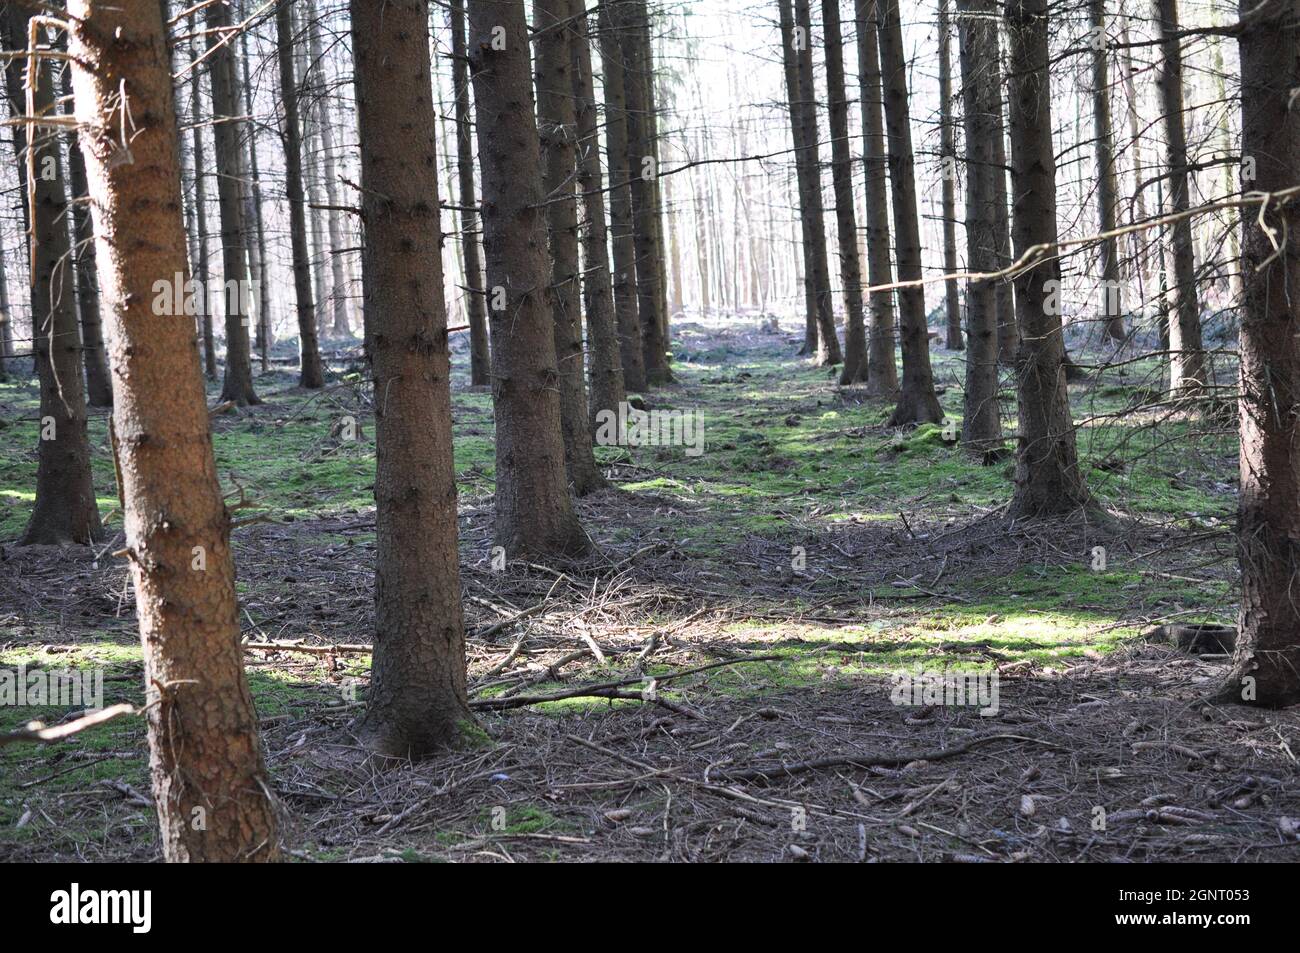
872, 761
311, 649
37, 732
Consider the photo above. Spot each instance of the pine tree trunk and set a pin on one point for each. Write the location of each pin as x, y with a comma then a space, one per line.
6, 321
311, 374
606, 368
534, 511
981, 428
1048, 479
1266, 664
917, 403
99, 389
643, 167
475, 298
621, 227
882, 371
557, 128
795, 104
226, 108
416, 703
65, 510
202, 266
254, 226
846, 223
1187, 360
1107, 183
948, 157
211, 789
1004, 290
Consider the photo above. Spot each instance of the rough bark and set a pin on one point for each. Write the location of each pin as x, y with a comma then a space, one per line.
226, 108
948, 157
882, 372
534, 511
99, 389
1112, 311
917, 403
846, 222
211, 790
606, 369
643, 168
311, 374
65, 510
1187, 358
475, 299
981, 428
1047, 478
557, 128
416, 703
621, 227
1268, 640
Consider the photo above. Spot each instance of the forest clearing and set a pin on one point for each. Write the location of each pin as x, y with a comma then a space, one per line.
762, 431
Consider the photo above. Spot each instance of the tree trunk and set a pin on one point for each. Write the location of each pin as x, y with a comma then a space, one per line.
948, 157
917, 403
99, 389
621, 227
211, 789
254, 226
795, 103
607, 387
534, 512
475, 299
1266, 663
855, 333
1187, 363
416, 703
339, 304
638, 79
226, 108
1107, 185
202, 268
981, 428
65, 509
6, 321
1048, 479
1008, 332
311, 375
557, 128
882, 372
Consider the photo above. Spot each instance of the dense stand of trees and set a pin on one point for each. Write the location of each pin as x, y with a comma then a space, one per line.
581, 226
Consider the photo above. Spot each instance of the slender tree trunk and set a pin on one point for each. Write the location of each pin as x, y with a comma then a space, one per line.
1140, 241
416, 703
339, 304
638, 78
1004, 292
917, 403
65, 509
311, 374
981, 417
1048, 479
211, 789
6, 321
1107, 184
534, 511
791, 37
846, 223
948, 157
557, 127
99, 389
607, 387
203, 269
882, 373
1187, 364
226, 108
1266, 663
254, 226
621, 227
475, 299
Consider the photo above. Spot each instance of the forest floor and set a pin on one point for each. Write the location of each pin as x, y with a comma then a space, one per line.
775, 588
